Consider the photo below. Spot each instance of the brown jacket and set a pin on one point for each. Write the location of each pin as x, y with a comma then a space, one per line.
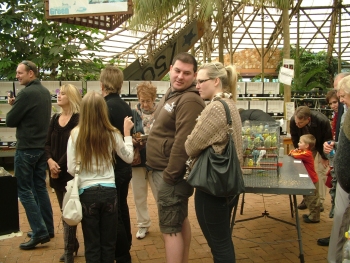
175, 118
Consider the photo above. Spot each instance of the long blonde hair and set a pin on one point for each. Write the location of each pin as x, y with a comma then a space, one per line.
74, 97
95, 142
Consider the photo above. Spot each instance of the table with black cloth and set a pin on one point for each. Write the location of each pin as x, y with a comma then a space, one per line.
288, 182
9, 216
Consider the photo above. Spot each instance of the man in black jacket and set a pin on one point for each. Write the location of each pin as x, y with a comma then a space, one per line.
111, 83
306, 121
30, 114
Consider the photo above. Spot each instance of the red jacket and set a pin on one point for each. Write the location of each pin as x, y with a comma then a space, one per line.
308, 160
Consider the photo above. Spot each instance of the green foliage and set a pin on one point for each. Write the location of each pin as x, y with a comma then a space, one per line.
25, 34
311, 70
166, 77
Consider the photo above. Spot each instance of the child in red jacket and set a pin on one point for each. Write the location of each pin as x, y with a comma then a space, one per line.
306, 144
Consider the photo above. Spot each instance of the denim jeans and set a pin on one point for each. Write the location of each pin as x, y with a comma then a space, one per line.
100, 214
213, 215
30, 171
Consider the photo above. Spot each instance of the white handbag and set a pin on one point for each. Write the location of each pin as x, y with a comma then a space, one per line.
72, 211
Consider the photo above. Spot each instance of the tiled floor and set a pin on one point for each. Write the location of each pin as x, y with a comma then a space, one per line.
259, 240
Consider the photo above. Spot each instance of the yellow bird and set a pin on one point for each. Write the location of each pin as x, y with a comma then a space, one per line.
250, 162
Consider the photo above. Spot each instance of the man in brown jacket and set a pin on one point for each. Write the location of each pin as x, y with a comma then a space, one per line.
175, 118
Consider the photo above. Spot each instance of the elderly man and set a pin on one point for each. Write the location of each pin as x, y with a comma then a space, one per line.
341, 109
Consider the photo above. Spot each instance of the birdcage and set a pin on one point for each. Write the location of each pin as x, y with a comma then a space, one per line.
260, 148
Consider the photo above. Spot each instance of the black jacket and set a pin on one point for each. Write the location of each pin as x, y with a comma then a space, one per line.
319, 126
118, 109
255, 115
340, 113
30, 114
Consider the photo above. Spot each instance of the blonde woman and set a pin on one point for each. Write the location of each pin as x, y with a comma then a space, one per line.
215, 82
94, 143
68, 98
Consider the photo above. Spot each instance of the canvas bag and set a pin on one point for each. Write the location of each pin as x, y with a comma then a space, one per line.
72, 212
218, 174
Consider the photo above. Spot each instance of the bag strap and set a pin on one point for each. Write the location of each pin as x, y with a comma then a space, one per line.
227, 110
228, 116
77, 169
134, 118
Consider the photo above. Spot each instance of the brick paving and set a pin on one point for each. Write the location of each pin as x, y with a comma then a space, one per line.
259, 240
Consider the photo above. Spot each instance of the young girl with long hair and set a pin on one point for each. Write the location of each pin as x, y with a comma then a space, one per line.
93, 143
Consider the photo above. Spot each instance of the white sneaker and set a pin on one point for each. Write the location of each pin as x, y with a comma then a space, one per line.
141, 233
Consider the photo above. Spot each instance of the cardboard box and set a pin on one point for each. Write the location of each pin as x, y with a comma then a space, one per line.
93, 85
241, 88
162, 86
275, 106
254, 88
52, 86
133, 86
271, 88
242, 104
258, 105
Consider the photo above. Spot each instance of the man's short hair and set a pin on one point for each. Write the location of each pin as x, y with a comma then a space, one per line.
303, 112
186, 58
29, 65
112, 79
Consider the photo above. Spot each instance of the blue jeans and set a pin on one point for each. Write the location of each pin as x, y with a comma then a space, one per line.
30, 171
100, 214
213, 215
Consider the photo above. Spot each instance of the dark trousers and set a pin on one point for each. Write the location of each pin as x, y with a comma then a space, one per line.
59, 195
124, 236
100, 212
213, 215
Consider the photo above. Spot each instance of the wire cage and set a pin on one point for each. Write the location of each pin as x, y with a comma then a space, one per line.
260, 148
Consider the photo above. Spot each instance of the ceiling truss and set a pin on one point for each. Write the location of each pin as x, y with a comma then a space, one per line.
320, 28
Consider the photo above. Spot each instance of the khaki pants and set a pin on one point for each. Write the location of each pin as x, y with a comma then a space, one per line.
322, 177
313, 204
139, 184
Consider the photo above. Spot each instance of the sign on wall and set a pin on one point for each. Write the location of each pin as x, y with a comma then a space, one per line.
61, 8
159, 65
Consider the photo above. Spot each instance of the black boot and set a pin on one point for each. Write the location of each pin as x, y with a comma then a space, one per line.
71, 244
302, 205
76, 248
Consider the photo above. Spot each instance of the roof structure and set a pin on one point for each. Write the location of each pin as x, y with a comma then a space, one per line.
315, 25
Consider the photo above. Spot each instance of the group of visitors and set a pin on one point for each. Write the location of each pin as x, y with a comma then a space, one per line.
91, 130
97, 130
328, 137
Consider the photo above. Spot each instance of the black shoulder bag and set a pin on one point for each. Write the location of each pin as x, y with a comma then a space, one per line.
219, 174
